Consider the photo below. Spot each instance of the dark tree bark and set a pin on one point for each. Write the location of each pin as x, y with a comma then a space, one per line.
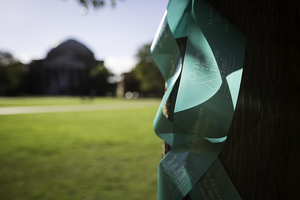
261, 154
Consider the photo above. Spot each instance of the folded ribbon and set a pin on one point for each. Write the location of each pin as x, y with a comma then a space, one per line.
206, 73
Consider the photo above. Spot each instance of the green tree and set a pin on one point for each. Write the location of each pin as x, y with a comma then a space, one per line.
99, 83
95, 3
147, 73
10, 74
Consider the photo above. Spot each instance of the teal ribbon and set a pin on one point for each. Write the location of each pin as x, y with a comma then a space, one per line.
208, 83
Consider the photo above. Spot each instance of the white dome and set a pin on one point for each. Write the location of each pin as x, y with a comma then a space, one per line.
71, 48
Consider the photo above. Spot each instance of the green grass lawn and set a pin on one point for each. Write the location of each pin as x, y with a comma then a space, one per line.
79, 155
41, 101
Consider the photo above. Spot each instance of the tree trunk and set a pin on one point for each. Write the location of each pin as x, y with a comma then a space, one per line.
261, 154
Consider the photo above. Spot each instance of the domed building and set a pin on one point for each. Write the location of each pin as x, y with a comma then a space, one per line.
65, 71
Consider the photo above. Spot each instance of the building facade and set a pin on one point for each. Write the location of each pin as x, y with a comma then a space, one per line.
65, 71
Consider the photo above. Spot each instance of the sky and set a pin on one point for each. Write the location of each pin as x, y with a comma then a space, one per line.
29, 29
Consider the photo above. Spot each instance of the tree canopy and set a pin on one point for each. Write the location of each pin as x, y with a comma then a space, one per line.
98, 78
96, 3
10, 73
147, 73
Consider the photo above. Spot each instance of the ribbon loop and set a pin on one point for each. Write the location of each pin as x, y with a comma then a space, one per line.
209, 82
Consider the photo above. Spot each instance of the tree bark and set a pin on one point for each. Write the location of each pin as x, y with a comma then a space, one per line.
261, 154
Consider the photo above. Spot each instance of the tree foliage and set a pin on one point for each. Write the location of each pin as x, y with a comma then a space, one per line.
96, 3
10, 74
99, 83
147, 72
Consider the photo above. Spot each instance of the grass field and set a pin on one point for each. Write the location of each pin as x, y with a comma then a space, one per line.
111, 154
44, 101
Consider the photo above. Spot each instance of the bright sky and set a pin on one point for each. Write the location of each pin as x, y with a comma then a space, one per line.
31, 28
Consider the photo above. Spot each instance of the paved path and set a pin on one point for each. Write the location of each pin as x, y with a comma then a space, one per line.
76, 108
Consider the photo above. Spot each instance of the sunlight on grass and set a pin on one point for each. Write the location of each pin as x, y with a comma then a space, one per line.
41, 101
79, 155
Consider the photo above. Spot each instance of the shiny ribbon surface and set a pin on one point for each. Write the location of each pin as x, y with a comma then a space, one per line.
205, 74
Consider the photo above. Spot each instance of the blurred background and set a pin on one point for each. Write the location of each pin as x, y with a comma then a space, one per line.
83, 60
77, 47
